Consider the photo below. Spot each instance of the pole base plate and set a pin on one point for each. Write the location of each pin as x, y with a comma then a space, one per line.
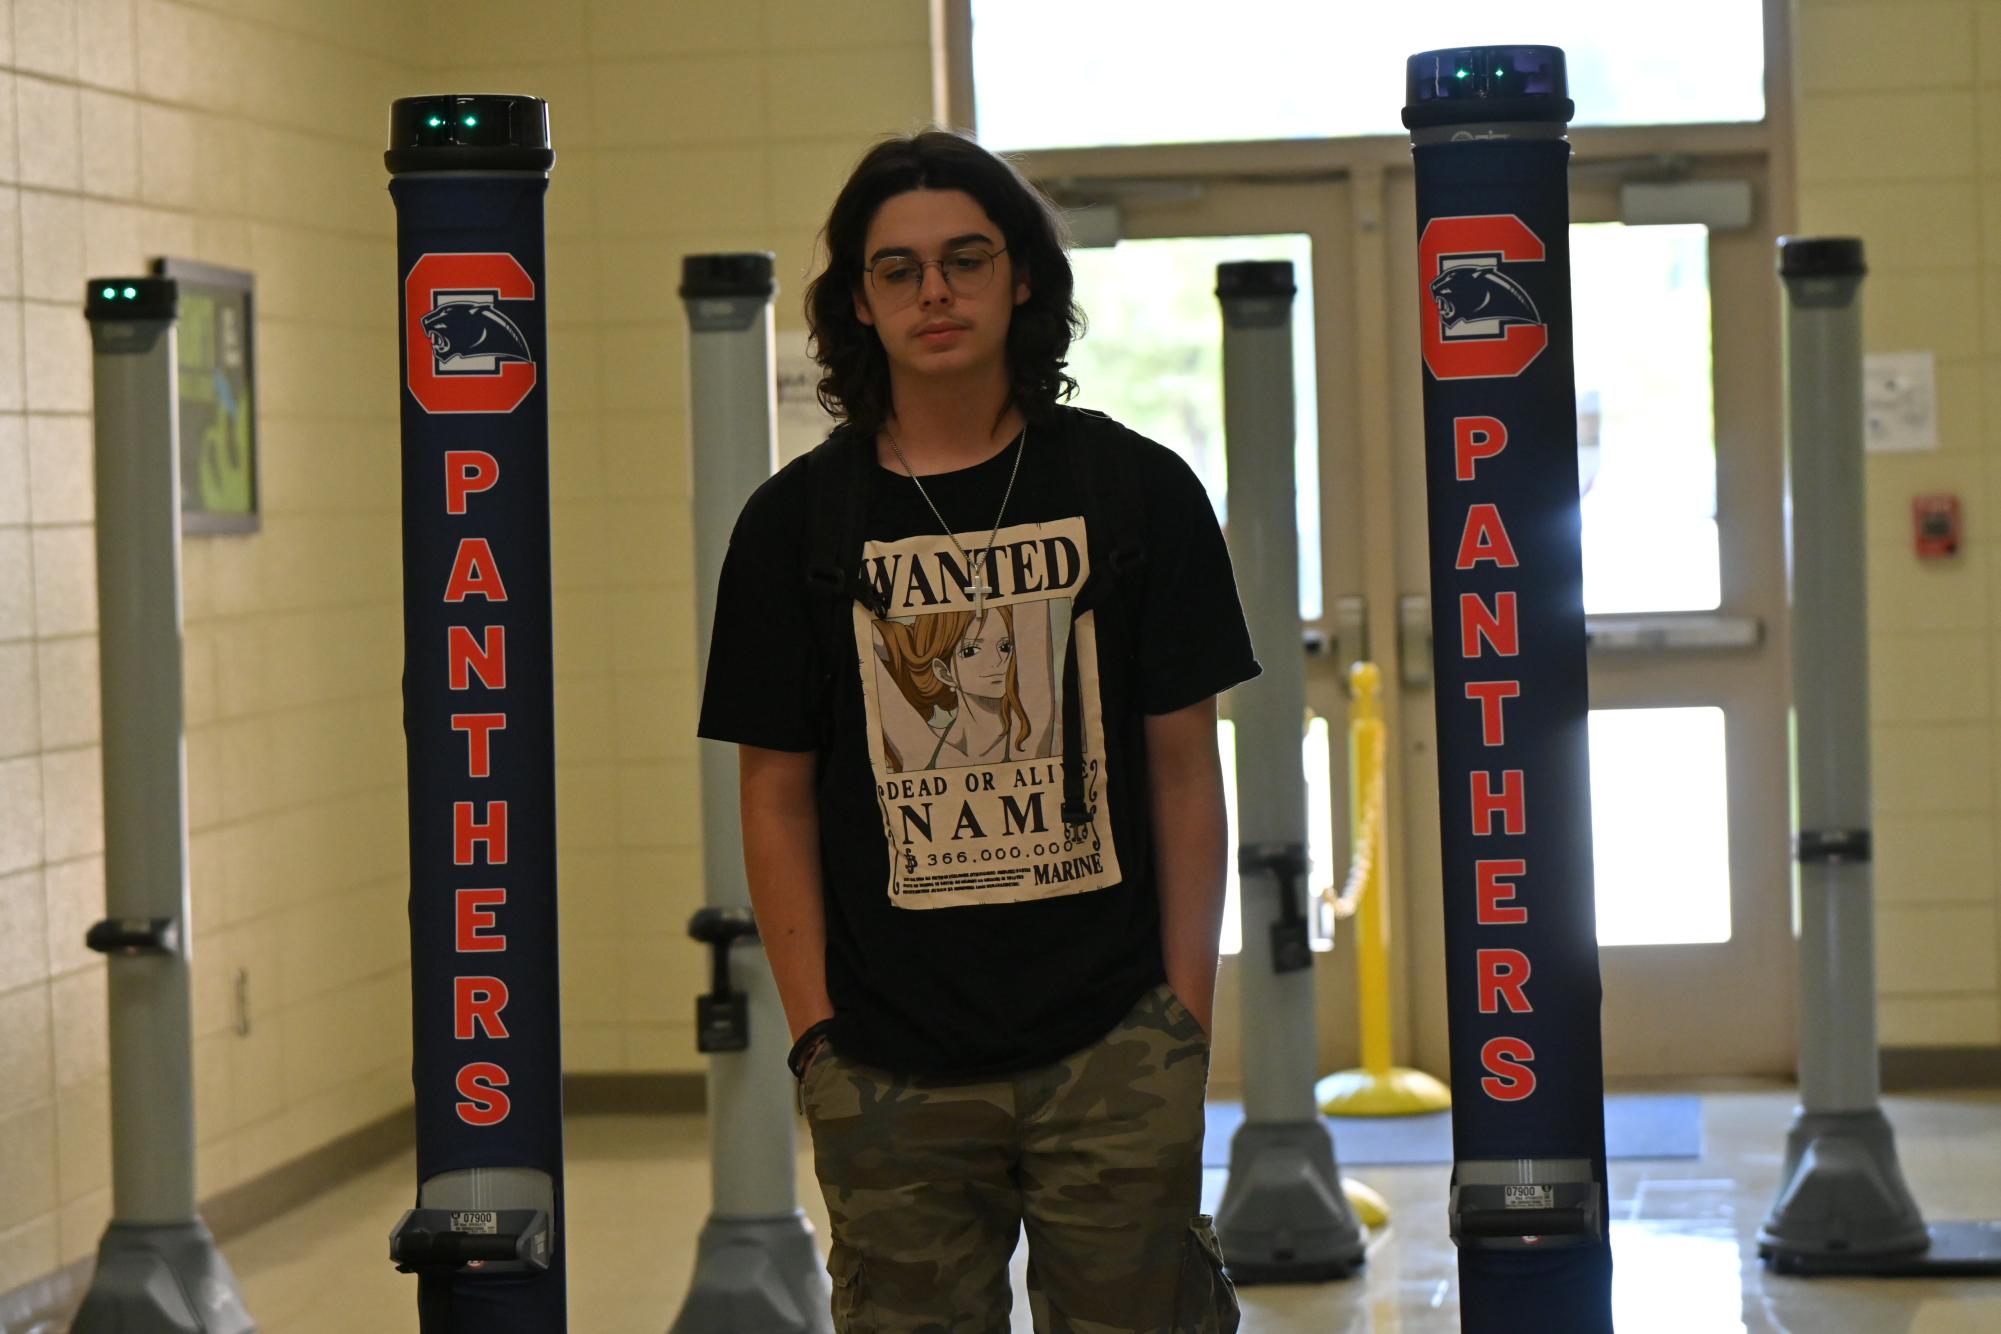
1255, 1275
1844, 1206
162, 1279
1398, 1091
1957, 1250
1284, 1216
764, 1274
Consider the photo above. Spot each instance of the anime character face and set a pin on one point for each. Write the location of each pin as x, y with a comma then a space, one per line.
979, 662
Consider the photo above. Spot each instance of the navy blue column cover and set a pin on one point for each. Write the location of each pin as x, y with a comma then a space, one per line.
478, 707
1509, 672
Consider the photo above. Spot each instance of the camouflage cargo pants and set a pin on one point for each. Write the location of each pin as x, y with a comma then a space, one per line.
929, 1185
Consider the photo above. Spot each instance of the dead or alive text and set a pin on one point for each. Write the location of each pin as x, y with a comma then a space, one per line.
972, 780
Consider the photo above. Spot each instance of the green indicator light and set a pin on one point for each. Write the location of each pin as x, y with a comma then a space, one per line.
1498, 73
435, 122
131, 292
1460, 74
110, 292
471, 120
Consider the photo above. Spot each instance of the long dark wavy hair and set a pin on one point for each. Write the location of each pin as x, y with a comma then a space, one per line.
854, 378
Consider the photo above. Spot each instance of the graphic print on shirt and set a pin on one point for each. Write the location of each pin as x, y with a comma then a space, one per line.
965, 717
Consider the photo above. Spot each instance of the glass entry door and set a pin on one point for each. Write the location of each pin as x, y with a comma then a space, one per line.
1153, 359
1677, 339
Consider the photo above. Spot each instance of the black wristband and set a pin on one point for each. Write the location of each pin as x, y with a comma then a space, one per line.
803, 1048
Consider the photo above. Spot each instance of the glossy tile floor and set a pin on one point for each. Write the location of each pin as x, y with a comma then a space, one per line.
1682, 1238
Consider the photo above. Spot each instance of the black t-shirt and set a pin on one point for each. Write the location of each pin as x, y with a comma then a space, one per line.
968, 934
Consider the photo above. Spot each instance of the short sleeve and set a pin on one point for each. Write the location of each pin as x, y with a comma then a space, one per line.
1193, 640
763, 673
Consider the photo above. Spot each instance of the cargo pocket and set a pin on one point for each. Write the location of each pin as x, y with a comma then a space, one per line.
844, 1266
1207, 1301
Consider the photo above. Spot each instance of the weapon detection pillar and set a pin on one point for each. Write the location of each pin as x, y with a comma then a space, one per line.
158, 1269
758, 1266
468, 176
1283, 1217
1528, 1204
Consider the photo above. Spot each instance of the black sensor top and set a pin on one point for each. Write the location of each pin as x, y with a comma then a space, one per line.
469, 132
131, 299
1255, 278
748, 273
1821, 257
1466, 85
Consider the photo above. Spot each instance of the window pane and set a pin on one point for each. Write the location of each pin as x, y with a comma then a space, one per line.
1646, 426
1153, 358
1652, 770
1658, 781
1056, 74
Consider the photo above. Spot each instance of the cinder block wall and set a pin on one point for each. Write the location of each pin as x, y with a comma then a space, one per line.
1899, 141
246, 135
249, 133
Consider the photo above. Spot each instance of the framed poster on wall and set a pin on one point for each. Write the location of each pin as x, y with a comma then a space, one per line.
218, 393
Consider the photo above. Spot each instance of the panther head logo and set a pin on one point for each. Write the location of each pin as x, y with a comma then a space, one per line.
474, 329
461, 353
1472, 292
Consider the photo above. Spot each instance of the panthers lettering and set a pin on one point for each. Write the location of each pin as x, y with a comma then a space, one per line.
472, 654
480, 1084
1497, 796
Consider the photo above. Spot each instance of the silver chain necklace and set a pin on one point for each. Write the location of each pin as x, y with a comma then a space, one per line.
980, 586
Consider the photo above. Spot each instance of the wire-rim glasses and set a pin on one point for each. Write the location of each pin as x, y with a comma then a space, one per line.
897, 279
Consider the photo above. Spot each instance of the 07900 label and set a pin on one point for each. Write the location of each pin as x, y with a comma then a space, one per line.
1528, 1197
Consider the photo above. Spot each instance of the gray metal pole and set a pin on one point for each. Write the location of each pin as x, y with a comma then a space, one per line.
1838, 1068
757, 1266
1283, 1217
1843, 1206
158, 1268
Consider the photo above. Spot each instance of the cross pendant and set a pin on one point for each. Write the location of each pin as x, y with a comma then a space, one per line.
980, 591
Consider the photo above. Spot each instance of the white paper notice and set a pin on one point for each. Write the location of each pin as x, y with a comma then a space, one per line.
1899, 402
802, 422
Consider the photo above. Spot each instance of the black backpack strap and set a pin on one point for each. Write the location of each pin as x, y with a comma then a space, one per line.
1111, 499
1114, 528
838, 476
837, 473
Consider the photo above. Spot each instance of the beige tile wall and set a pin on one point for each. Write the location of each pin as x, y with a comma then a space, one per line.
1899, 141
241, 134
684, 128
248, 133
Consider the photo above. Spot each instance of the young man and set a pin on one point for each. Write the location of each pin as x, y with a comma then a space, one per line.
969, 650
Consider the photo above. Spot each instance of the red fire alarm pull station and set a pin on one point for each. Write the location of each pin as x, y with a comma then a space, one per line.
1935, 523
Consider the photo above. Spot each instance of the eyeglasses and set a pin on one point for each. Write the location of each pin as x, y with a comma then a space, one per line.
897, 279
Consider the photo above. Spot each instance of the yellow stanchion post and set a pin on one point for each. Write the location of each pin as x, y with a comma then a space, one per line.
1378, 1088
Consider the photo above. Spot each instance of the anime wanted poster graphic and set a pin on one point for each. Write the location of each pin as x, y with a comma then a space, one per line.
965, 717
